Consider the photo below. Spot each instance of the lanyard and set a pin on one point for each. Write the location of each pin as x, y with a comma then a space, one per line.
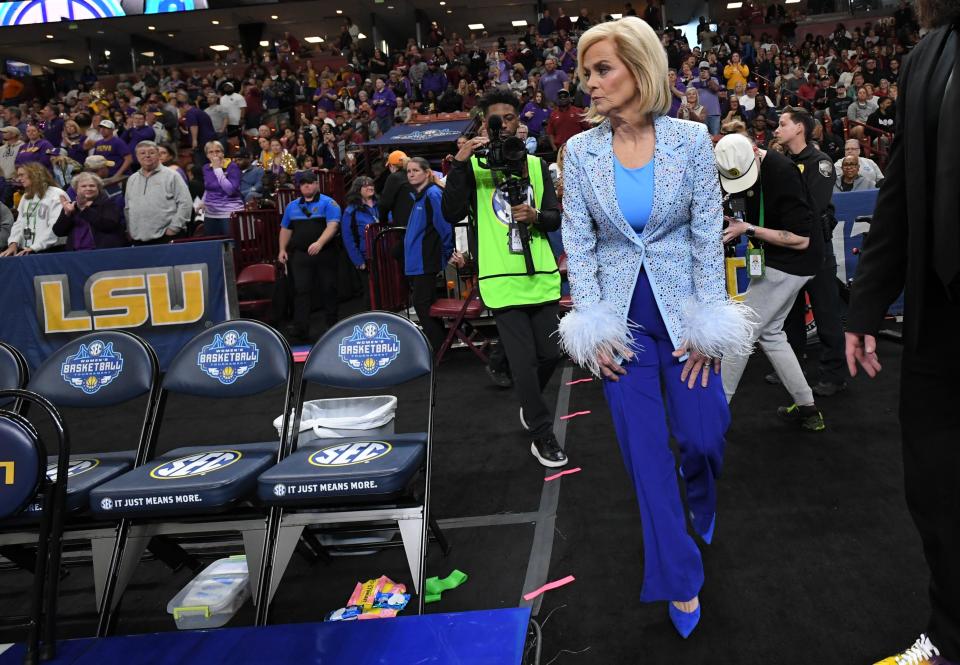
761, 208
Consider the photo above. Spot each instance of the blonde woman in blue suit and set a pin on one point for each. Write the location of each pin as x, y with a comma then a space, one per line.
642, 224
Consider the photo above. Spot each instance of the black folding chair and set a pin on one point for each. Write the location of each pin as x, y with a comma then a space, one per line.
96, 371
198, 489
23, 457
14, 374
354, 480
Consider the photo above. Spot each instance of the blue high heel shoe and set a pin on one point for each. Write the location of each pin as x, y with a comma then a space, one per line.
684, 622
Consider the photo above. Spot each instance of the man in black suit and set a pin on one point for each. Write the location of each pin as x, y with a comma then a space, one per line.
914, 243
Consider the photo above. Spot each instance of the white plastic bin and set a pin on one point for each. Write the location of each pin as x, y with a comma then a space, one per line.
345, 417
212, 598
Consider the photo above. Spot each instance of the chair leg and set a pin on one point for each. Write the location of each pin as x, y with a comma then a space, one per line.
126, 555
39, 580
448, 340
440, 536
411, 531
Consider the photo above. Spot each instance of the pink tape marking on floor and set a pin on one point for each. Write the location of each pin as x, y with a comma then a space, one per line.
300, 356
575, 414
573, 383
562, 473
549, 586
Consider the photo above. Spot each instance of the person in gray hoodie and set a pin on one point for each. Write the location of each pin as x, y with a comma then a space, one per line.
158, 203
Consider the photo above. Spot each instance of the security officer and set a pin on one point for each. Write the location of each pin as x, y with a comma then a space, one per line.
524, 301
307, 230
796, 125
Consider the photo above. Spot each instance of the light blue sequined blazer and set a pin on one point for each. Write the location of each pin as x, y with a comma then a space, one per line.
680, 247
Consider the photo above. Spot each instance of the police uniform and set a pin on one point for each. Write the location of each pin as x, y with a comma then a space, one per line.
307, 220
819, 176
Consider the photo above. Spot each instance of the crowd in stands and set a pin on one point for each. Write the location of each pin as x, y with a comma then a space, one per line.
250, 132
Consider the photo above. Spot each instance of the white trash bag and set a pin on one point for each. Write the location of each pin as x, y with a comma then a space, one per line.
345, 417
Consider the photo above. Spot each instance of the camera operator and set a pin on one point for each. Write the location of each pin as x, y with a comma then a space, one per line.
796, 127
778, 220
518, 276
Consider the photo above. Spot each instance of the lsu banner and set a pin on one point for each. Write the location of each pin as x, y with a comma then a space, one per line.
164, 293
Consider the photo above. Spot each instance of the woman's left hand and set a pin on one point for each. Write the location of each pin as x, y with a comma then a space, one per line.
697, 365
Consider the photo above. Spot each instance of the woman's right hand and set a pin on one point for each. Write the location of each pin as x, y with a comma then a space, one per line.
67, 204
610, 368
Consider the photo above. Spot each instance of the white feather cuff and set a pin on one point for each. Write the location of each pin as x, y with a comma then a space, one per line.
593, 329
716, 329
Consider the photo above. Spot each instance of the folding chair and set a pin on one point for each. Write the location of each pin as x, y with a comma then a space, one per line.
456, 315
256, 244
354, 480
23, 482
198, 489
96, 371
14, 374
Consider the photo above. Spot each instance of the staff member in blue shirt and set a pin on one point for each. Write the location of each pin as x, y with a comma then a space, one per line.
307, 230
361, 210
427, 246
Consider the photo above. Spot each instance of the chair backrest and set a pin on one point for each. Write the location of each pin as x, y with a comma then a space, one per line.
14, 372
390, 291
256, 235
97, 370
285, 196
22, 463
235, 358
370, 350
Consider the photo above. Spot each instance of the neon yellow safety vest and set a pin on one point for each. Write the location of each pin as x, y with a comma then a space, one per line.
504, 281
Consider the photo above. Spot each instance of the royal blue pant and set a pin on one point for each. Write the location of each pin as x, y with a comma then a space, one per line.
698, 420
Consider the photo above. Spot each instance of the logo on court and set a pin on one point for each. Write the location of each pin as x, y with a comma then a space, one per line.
345, 454
76, 468
228, 357
197, 464
370, 348
92, 367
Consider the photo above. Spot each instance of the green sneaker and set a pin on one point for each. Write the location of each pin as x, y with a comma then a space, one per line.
808, 417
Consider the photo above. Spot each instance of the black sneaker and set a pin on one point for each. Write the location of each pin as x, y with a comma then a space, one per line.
808, 417
548, 451
500, 379
829, 389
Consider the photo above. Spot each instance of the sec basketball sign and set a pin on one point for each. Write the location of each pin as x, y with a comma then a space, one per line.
370, 348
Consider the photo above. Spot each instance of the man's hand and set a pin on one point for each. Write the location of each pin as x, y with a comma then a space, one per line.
171, 232
25, 251
862, 349
282, 256
466, 150
697, 365
457, 259
10, 250
524, 213
314, 248
735, 229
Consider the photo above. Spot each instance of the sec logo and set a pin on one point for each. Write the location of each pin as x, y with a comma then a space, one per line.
76, 467
345, 454
197, 464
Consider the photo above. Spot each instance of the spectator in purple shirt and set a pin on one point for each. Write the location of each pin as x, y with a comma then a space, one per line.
433, 81
115, 149
708, 87
221, 191
92, 221
678, 91
136, 132
52, 125
535, 114
553, 80
198, 126
384, 103
36, 149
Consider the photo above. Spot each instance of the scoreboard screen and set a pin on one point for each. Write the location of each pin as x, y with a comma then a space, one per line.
24, 12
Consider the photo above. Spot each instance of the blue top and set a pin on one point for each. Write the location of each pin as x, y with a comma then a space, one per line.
356, 217
321, 207
634, 193
428, 243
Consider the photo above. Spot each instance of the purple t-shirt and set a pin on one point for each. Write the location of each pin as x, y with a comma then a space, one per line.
708, 97
677, 101
200, 119
114, 149
552, 83
35, 151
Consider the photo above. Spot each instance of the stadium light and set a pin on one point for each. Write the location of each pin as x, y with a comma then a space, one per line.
475, 26
274, 17
616, 16
219, 47
313, 40
361, 36
442, 3
734, 5
449, 11
339, 11
518, 24
574, 19
61, 61
49, 36
264, 43
106, 53
151, 27
149, 54
215, 22
791, 2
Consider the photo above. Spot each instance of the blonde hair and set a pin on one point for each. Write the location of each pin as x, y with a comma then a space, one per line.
641, 51
40, 179
86, 175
